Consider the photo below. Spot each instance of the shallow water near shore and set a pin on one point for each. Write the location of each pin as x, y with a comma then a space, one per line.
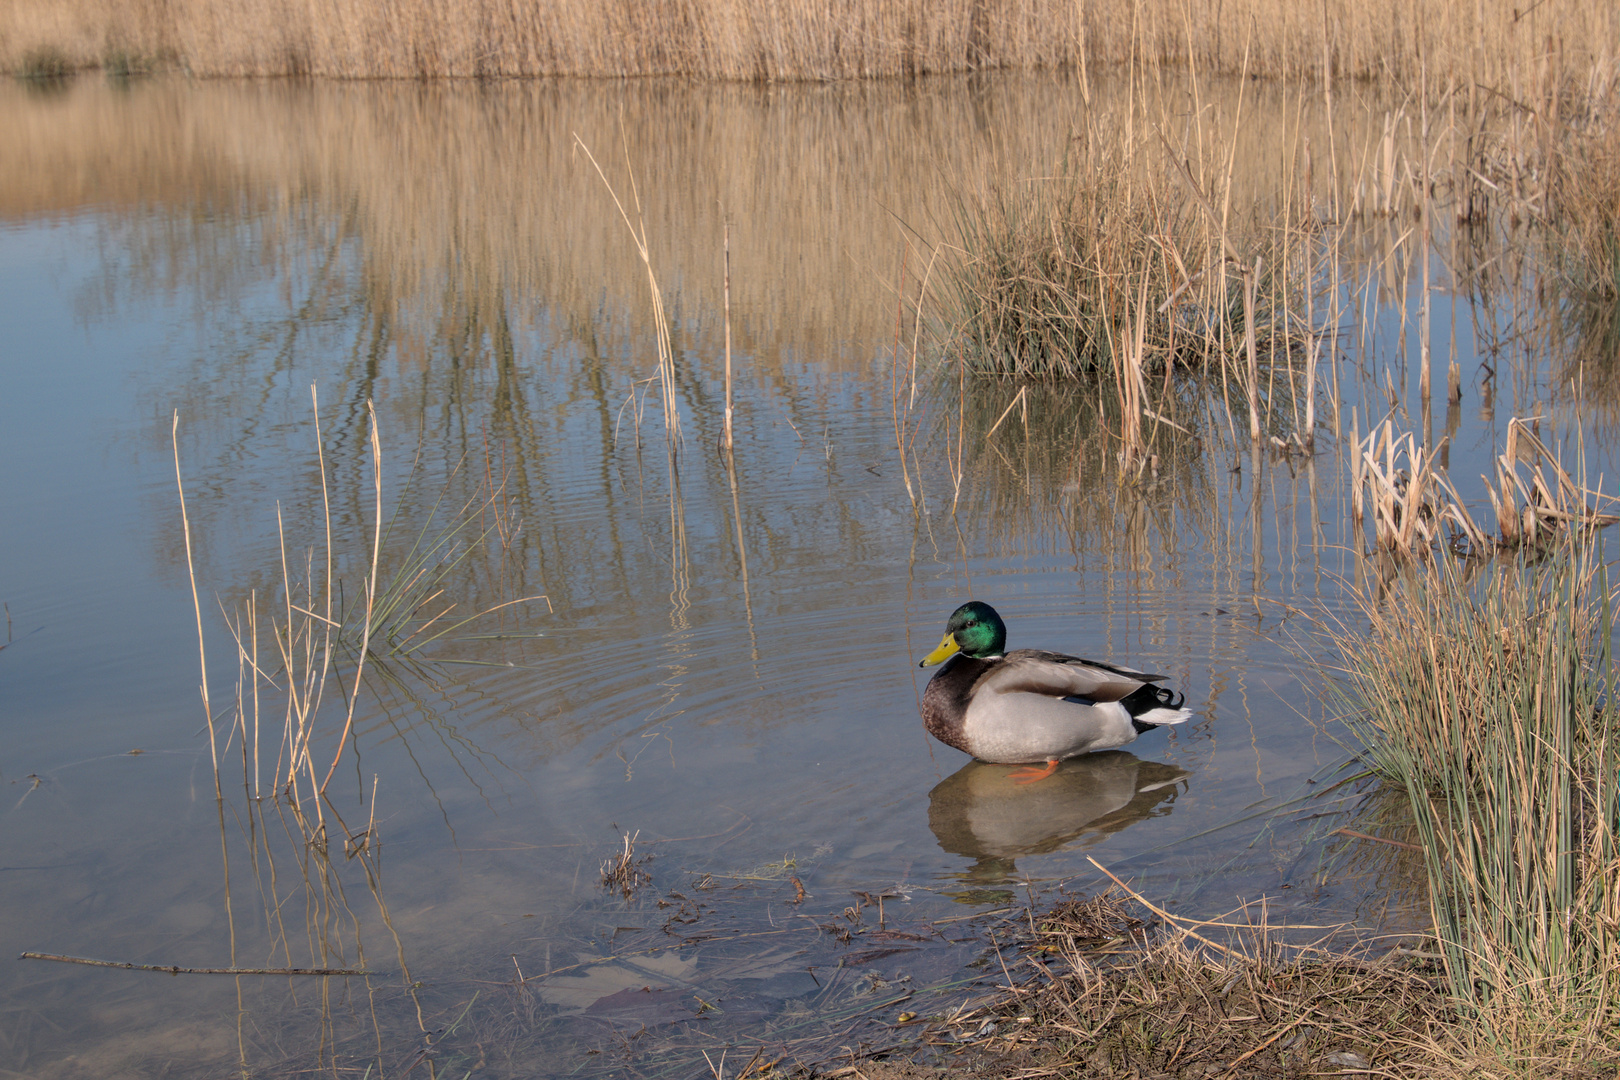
715, 655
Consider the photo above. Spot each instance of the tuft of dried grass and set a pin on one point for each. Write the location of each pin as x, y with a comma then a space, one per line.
624, 872
1101, 990
1414, 506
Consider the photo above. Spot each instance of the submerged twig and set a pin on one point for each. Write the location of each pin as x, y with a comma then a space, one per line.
174, 969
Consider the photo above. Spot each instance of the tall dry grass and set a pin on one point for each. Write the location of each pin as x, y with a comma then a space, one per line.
1491, 44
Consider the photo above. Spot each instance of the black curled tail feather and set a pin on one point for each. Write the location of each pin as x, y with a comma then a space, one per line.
1168, 698
1148, 698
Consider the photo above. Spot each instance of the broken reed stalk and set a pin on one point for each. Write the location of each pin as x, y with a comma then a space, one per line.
727, 437
901, 417
666, 353
371, 597
196, 604
1414, 505
1545, 507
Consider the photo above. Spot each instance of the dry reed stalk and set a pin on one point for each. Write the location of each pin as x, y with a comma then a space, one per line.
727, 437
901, 417
196, 604
1529, 511
371, 598
1133, 394
1251, 280
666, 352
1412, 503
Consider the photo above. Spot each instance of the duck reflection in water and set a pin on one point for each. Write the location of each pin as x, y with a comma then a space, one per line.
980, 811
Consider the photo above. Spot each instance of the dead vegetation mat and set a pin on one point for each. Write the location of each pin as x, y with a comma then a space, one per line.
1092, 991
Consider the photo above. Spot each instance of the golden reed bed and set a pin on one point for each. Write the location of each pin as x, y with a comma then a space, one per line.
1493, 43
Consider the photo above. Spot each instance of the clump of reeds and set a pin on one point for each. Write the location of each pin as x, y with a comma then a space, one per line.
1484, 691
1584, 245
1410, 502
624, 872
1414, 506
1109, 274
1055, 273
1586, 185
45, 62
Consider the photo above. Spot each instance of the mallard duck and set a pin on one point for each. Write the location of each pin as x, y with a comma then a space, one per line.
1031, 706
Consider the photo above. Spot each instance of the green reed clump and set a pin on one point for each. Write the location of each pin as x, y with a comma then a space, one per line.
1121, 274
1485, 695
1051, 272
45, 62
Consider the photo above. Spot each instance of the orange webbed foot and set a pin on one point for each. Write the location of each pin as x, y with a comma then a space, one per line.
1030, 773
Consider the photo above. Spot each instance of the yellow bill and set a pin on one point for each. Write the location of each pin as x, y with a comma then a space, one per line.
947, 649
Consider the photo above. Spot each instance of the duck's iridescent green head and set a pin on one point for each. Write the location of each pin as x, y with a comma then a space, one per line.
974, 630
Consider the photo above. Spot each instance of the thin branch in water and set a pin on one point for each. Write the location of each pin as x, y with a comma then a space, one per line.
173, 969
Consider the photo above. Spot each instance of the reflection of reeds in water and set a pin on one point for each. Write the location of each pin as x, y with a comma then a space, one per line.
444, 253
473, 212
1044, 460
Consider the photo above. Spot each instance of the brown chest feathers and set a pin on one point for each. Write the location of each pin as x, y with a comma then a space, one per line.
945, 700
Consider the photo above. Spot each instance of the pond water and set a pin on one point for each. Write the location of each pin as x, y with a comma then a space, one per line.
715, 657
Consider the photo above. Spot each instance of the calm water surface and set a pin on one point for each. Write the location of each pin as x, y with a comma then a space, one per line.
724, 661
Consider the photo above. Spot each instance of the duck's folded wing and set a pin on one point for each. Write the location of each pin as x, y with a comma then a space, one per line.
1031, 671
